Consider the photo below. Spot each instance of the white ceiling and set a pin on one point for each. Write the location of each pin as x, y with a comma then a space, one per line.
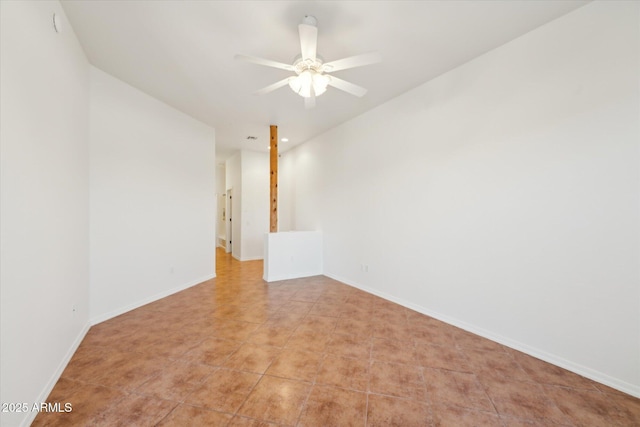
182, 52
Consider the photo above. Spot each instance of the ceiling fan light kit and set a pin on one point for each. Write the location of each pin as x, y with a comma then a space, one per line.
311, 77
307, 81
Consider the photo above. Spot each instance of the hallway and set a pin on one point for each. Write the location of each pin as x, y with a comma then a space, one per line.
311, 352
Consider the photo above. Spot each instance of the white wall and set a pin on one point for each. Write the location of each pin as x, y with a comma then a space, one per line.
286, 188
153, 207
255, 172
290, 255
502, 196
233, 171
44, 202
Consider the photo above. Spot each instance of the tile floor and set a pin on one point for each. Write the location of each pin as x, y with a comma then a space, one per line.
311, 352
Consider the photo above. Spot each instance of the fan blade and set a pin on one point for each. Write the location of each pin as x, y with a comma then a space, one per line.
265, 62
310, 102
308, 41
344, 85
272, 87
352, 62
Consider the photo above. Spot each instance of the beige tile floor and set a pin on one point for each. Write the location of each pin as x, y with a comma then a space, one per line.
311, 352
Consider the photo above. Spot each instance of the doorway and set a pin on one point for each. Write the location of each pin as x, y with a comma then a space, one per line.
229, 228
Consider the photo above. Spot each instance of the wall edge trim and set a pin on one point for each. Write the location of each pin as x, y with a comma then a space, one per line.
117, 312
42, 397
250, 259
291, 276
600, 377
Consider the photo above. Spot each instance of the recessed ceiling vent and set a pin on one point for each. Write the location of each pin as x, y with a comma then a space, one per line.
252, 138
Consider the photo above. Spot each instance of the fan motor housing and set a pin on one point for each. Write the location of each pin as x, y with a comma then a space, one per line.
300, 65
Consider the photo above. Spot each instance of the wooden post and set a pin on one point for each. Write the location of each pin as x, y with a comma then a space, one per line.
273, 224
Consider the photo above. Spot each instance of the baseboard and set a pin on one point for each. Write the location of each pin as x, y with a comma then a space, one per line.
290, 277
584, 371
275, 278
57, 374
138, 304
247, 258
74, 347
251, 259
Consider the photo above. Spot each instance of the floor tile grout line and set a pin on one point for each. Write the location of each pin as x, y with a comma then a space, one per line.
248, 394
459, 340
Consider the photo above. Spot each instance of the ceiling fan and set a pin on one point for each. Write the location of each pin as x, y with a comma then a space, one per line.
312, 76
